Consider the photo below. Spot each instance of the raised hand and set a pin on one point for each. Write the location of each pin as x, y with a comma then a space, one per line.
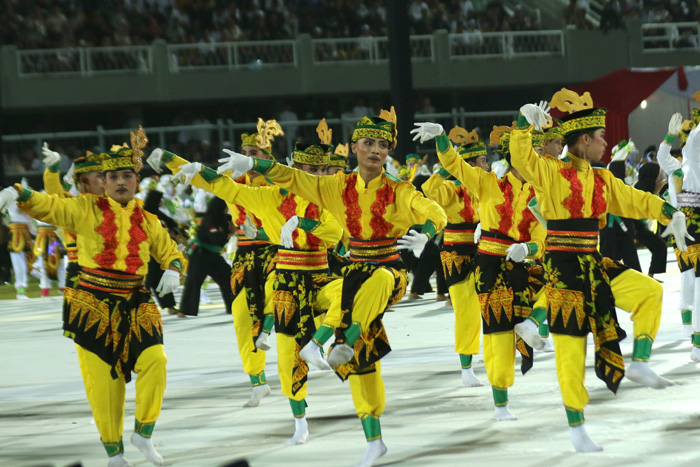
426, 131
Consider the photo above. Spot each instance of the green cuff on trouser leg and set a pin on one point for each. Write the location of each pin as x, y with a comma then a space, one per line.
268, 323
642, 348
114, 448
298, 407
322, 335
500, 396
144, 429
352, 333
574, 416
538, 315
371, 426
696, 339
258, 380
687, 316
466, 361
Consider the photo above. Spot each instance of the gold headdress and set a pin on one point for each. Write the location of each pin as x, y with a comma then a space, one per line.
339, 158
267, 130
582, 115
501, 135
122, 157
468, 141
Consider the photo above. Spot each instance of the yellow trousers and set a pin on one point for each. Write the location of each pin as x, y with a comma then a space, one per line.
327, 298
372, 297
499, 358
106, 395
253, 361
634, 292
368, 393
467, 316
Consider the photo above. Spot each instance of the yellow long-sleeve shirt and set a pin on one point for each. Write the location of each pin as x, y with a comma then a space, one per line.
383, 208
53, 186
274, 207
571, 189
109, 236
459, 205
502, 202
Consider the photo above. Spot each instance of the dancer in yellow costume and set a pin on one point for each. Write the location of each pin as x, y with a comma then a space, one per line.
303, 287
458, 250
375, 209
113, 319
252, 271
582, 287
510, 234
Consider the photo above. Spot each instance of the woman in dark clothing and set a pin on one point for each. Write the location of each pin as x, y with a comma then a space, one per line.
152, 205
205, 258
650, 181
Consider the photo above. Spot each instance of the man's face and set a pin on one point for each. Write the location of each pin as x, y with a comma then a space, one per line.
411, 163
371, 152
92, 183
312, 169
595, 145
333, 170
253, 151
481, 163
121, 185
553, 147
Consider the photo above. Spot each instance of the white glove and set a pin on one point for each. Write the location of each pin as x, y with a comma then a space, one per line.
426, 131
536, 115
187, 172
249, 229
413, 241
500, 168
8, 197
477, 233
675, 124
50, 157
677, 228
238, 163
155, 158
290, 161
621, 154
68, 177
632, 147
168, 283
287, 230
517, 252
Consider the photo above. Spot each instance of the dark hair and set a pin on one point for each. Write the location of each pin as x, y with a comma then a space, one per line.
618, 169
573, 138
648, 173
215, 214
152, 202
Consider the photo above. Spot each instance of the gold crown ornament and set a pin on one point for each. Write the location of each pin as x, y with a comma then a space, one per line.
267, 130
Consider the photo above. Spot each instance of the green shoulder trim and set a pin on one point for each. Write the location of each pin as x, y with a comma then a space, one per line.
391, 177
209, 175
308, 225
263, 166
442, 142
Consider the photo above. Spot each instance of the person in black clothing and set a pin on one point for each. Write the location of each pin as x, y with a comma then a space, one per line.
650, 180
205, 258
617, 237
152, 204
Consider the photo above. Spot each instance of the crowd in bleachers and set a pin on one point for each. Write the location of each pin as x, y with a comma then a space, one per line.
614, 12
71, 23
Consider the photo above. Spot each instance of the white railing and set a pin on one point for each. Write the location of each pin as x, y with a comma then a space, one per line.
367, 49
85, 61
662, 37
520, 44
204, 142
232, 55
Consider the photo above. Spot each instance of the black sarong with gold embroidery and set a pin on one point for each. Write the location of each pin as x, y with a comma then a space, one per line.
299, 276
458, 250
689, 259
72, 274
113, 315
503, 289
336, 263
255, 260
579, 297
366, 257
